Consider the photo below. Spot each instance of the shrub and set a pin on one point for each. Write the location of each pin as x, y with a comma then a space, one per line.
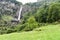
30, 24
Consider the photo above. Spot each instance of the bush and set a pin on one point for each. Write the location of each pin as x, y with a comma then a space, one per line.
30, 24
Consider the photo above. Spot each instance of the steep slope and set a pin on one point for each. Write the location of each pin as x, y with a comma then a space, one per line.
8, 8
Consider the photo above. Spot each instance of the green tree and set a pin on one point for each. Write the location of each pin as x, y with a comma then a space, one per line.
41, 15
54, 12
48, 13
30, 24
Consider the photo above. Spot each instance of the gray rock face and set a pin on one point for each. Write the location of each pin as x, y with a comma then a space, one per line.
8, 7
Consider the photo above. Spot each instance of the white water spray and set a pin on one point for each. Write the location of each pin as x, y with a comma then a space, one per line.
19, 16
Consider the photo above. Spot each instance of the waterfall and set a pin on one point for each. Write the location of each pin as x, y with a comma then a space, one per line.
19, 16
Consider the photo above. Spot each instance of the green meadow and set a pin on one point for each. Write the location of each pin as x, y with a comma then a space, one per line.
49, 32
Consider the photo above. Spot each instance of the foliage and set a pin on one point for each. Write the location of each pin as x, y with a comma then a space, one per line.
39, 15
14, 1
30, 24
7, 18
49, 13
50, 32
54, 12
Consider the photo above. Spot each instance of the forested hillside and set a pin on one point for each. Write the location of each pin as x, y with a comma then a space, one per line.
8, 9
34, 15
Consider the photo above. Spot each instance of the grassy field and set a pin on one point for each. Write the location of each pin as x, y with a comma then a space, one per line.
50, 32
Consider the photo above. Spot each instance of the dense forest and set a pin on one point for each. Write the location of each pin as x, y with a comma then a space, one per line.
36, 15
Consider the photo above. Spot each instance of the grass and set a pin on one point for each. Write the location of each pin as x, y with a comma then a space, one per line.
50, 32
5, 17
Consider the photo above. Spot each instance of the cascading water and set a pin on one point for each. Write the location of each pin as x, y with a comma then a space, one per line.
19, 16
